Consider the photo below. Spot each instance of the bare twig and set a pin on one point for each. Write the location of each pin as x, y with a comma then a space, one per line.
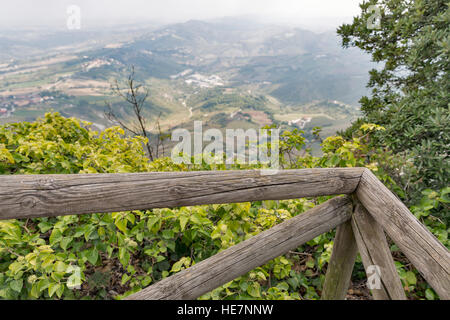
135, 95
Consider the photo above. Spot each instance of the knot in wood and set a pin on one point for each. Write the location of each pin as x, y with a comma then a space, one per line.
28, 202
339, 184
176, 189
45, 184
249, 180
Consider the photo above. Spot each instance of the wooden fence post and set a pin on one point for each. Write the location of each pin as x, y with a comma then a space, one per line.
342, 261
426, 253
375, 253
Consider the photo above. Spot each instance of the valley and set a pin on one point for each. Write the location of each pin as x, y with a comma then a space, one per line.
227, 73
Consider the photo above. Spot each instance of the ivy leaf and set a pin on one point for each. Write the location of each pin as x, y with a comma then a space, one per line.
34, 290
64, 243
429, 294
52, 288
310, 263
183, 221
410, 277
121, 224
146, 281
16, 285
60, 266
196, 218
15, 267
45, 226
43, 284
177, 266
152, 223
167, 234
283, 286
55, 237
74, 281
445, 195
294, 282
92, 255
243, 286
125, 278
124, 256
254, 290
60, 291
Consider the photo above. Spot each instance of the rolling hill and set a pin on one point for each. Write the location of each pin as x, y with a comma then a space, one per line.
195, 70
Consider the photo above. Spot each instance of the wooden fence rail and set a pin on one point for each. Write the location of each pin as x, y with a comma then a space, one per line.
26, 196
360, 222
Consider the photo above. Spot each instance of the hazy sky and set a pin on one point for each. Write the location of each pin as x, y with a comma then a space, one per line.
24, 13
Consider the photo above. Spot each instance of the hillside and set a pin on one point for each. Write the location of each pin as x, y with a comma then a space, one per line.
195, 69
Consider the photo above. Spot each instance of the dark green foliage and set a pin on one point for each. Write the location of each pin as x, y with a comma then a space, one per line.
410, 92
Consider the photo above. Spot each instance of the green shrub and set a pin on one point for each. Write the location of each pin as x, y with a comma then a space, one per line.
104, 256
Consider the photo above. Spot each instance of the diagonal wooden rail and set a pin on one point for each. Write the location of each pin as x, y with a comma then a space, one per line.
360, 221
247, 255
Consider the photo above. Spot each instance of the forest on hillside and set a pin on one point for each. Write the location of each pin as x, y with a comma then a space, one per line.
403, 137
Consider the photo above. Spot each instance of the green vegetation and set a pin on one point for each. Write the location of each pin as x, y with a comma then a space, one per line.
410, 94
403, 137
112, 255
295, 70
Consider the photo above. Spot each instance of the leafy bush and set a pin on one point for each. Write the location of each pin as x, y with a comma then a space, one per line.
410, 96
104, 256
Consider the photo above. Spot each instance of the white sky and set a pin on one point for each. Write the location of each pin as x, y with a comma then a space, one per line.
24, 13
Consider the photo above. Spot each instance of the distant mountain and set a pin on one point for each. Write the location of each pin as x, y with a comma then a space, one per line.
294, 65
229, 72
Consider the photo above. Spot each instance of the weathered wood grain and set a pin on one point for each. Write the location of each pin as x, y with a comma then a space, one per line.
340, 267
247, 255
374, 250
428, 255
25, 196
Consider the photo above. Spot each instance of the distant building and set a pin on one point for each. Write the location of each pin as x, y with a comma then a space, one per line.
301, 123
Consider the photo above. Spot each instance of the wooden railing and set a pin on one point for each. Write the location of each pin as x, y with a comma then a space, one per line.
362, 216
